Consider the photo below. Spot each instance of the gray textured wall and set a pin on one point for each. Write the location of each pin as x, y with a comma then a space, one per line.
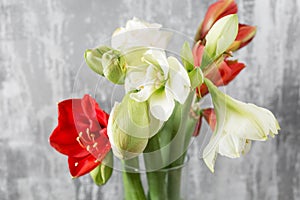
41, 47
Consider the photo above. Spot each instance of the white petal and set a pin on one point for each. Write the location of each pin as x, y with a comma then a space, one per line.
246, 121
135, 77
255, 122
143, 94
159, 59
209, 157
247, 147
161, 105
242, 126
178, 83
110, 127
140, 33
231, 146
136, 23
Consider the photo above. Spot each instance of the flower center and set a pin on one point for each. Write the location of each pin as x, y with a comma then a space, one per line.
88, 141
159, 80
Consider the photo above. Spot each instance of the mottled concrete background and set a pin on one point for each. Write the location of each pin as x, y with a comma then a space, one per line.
41, 47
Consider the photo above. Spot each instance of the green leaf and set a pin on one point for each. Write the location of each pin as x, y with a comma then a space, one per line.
187, 56
196, 77
103, 172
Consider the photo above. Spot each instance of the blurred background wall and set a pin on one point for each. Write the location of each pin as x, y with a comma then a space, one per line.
41, 48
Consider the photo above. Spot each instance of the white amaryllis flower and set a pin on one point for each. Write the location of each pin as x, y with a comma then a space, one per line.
138, 33
160, 80
237, 124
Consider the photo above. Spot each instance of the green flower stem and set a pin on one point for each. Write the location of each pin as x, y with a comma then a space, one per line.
174, 176
174, 184
133, 188
156, 179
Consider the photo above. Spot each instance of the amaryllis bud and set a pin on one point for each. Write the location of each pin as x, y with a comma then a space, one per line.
219, 38
124, 146
102, 173
245, 35
114, 66
93, 58
215, 11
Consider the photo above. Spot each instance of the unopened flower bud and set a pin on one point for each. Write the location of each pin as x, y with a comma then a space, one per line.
114, 66
102, 173
124, 146
93, 58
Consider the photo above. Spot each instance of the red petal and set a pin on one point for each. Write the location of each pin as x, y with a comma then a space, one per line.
63, 138
70, 113
89, 108
93, 111
198, 127
82, 166
235, 68
64, 141
245, 35
227, 71
210, 116
102, 116
216, 11
198, 51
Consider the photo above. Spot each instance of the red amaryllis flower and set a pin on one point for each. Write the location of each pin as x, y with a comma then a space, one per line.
81, 134
215, 11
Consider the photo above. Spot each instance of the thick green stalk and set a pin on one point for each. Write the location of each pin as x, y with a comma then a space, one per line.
133, 188
156, 179
174, 184
174, 176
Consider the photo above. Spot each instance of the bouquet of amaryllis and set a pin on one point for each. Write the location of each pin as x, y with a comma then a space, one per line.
152, 126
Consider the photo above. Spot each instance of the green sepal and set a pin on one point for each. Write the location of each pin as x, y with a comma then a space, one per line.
187, 56
196, 77
103, 172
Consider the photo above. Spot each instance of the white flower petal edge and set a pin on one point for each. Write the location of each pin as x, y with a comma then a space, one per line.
237, 124
140, 33
161, 104
110, 132
179, 83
